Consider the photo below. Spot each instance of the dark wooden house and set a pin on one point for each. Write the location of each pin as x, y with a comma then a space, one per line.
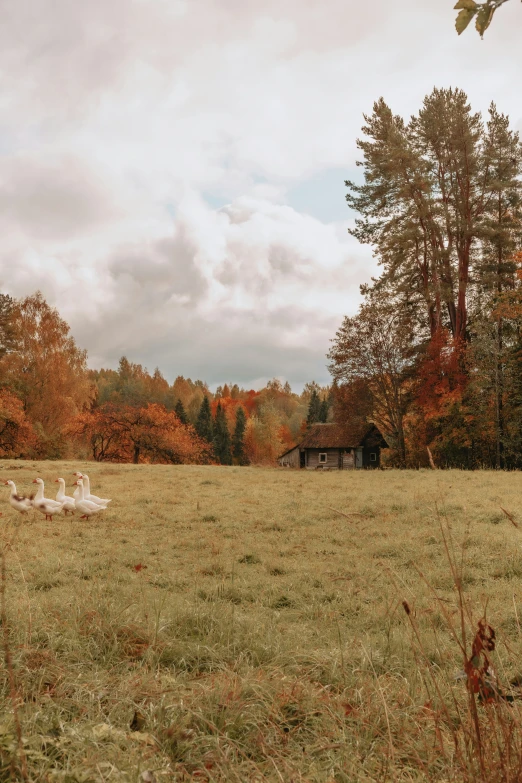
336, 447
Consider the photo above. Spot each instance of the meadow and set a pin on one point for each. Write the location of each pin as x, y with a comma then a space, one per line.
229, 624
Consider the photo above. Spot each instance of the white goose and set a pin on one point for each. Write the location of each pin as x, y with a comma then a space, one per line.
19, 502
87, 507
61, 497
46, 505
87, 491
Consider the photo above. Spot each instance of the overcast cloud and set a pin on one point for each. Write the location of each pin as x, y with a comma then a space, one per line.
171, 171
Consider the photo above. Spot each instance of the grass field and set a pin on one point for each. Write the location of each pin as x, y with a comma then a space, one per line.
225, 624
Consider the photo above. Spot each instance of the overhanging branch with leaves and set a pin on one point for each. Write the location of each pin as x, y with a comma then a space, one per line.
482, 13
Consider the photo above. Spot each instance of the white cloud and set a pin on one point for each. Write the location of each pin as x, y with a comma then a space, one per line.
120, 115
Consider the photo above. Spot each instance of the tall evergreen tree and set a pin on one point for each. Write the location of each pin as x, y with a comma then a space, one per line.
323, 411
422, 203
238, 440
502, 233
179, 410
222, 448
204, 421
314, 409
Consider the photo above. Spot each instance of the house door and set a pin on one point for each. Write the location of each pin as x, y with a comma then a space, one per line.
302, 459
348, 462
358, 458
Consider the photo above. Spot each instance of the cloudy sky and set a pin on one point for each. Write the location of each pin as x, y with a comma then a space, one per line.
172, 171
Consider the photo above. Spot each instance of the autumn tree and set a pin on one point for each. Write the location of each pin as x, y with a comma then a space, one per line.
263, 443
7, 327
353, 402
376, 347
125, 433
99, 431
46, 371
17, 437
437, 416
183, 389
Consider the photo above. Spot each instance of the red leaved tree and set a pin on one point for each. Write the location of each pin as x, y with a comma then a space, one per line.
130, 434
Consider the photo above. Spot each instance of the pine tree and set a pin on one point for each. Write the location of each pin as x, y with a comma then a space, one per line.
323, 411
238, 441
204, 421
421, 205
221, 440
502, 231
314, 409
179, 410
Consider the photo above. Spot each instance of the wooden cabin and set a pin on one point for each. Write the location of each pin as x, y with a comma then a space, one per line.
336, 447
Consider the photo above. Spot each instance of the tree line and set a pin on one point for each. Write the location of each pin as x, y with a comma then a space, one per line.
435, 349
52, 406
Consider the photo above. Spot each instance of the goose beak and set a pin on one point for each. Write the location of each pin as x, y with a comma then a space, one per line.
35, 481
6, 483
56, 481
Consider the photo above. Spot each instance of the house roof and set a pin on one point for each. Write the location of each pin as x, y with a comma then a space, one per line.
333, 436
342, 436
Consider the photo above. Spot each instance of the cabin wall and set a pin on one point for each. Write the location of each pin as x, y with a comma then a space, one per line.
290, 460
343, 458
367, 458
312, 458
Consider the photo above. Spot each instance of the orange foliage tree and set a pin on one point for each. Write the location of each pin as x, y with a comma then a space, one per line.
285, 436
17, 437
263, 443
139, 434
438, 416
46, 370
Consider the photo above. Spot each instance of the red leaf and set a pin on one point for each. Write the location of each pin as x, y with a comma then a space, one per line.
139, 567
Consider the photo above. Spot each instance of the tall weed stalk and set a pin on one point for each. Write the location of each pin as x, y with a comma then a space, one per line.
479, 733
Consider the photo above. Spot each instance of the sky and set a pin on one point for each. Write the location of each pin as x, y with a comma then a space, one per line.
172, 171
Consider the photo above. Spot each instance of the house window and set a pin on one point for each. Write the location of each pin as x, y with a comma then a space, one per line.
322, 458
373, 457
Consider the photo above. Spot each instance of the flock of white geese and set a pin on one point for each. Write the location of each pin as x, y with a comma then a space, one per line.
81, 500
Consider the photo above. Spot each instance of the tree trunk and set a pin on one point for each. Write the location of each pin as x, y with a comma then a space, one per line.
136, 457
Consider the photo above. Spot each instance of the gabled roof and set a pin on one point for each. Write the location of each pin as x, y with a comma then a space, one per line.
342, 436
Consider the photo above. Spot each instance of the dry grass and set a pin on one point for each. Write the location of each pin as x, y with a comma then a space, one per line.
249, 632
